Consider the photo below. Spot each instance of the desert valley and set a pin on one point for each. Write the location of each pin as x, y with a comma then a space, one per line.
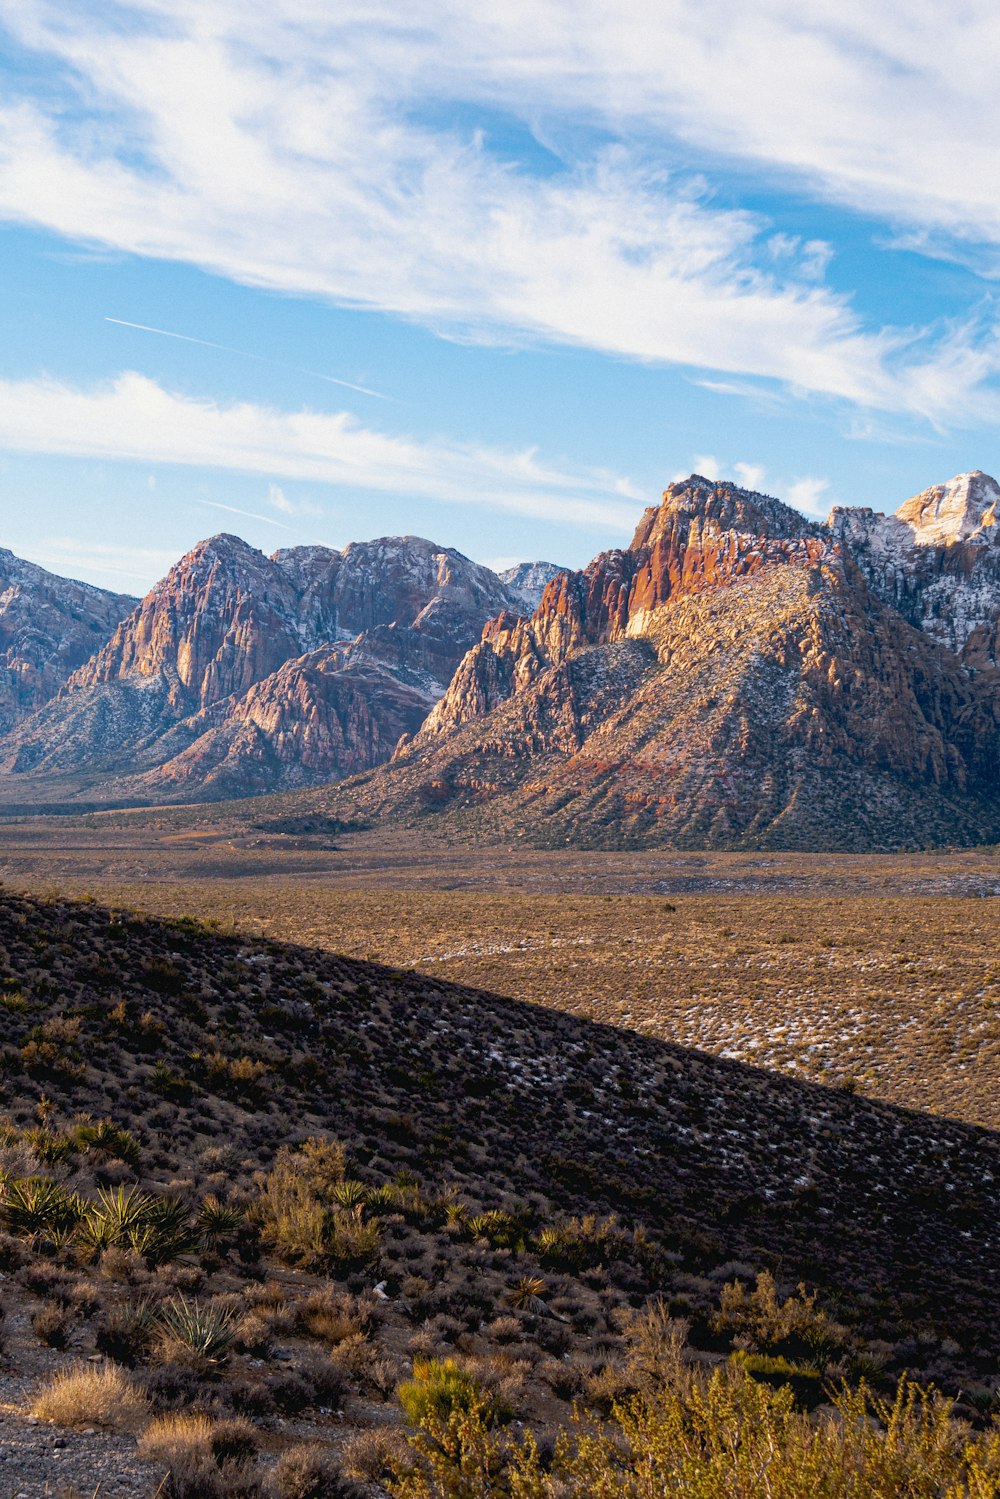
492, 1034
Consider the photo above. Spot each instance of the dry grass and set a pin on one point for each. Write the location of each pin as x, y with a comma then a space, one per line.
168, 1437
89, 1395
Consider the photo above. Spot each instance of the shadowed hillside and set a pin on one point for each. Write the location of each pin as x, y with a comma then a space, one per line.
193, 1039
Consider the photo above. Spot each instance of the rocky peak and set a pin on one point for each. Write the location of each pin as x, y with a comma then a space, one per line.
527, 580
48, 627
698, 506
936, 560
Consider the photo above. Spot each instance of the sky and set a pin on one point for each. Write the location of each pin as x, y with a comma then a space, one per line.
318, 271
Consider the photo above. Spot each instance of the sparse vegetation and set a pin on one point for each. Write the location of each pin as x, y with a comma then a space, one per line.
458, 1210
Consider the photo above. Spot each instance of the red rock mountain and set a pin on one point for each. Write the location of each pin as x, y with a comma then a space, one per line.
48, 627
731, 678
240, 672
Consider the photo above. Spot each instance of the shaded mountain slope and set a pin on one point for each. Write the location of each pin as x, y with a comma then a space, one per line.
193, 1039
49, 626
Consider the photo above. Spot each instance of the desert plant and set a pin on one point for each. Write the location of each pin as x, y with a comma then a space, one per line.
90, 1395
439, 1387
196, 1328
125, 1331
36, 1205
155, 1227
51, 1325
114, 1140
309, 1471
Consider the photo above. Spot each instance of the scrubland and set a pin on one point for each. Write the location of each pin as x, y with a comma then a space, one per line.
320, 1178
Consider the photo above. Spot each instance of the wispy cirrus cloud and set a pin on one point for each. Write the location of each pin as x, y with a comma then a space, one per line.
337, 154
135, 418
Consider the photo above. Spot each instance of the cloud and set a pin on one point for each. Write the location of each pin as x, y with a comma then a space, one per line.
106, 563
338, 153
807, 495
276, 496
135, 418
750, 475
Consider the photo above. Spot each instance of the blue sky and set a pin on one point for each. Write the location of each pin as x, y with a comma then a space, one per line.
568, 252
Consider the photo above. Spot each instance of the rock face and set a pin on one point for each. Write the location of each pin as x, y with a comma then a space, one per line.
937, 561
527, 580
48, 627
738, 676
240, 673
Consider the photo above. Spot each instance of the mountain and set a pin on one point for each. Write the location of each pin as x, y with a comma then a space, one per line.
48, 627
527, 580
937, 561
240, 672
738, 676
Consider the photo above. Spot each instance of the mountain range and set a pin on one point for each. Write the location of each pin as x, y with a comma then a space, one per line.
241, 673
738, 675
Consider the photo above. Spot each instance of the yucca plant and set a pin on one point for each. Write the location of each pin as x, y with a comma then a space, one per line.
32, 1205
165, 1232
156, 1227
216, 1222
112, 1139
199, 1328
350, 1194
526, 1296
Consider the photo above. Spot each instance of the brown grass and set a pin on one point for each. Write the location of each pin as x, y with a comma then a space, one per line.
89, 1395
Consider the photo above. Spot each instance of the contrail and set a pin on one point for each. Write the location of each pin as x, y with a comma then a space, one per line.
207, 343
250, 514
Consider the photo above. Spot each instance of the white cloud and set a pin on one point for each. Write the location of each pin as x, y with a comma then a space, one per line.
807, 495
135, 418
290, 147
107, 564
750, 475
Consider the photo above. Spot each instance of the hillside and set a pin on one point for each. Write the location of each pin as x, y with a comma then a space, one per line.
512, 1147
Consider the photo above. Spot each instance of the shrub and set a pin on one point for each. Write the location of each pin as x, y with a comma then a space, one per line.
90, 1395
723, 1436
438, 1388
125, 1331
299, 1213
309, 1471
51, 1325
765, 1324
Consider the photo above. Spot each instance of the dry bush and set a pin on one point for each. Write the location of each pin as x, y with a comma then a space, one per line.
90, 1395
51, 1325
372, 1455
168, 1438
309, 1471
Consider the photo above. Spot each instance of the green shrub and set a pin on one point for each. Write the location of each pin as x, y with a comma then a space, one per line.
439, 1388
